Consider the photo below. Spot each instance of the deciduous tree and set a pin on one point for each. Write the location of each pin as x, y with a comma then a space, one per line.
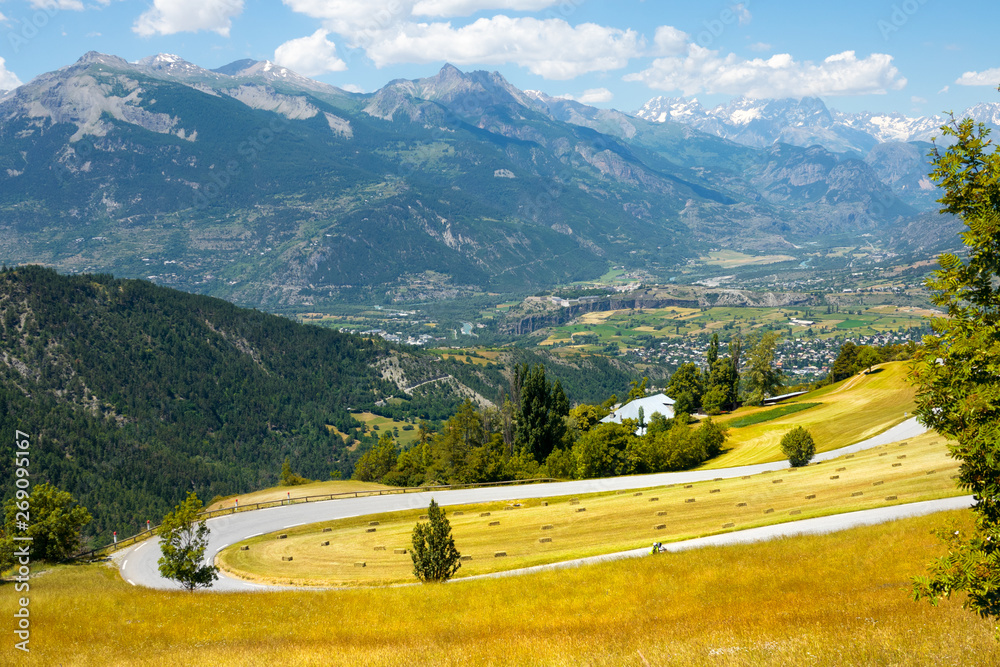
798, 446
54, 521
182, 544
957, 373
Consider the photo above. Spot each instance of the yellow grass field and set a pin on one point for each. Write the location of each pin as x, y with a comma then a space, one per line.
728, 259
301, 491
822, 601
852, 410
603, 523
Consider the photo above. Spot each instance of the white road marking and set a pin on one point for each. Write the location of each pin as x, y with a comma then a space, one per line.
294, 524
254, 535
140, 546
130, 581
125, 563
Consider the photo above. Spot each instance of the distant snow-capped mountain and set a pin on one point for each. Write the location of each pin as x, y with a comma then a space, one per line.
804, 122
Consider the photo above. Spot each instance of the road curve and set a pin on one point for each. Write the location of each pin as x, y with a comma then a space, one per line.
138, 564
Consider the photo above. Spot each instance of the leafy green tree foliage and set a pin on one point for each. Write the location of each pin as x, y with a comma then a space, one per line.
602, 451
687, 379
677, 447
637, 390
845, 365
867, 358
584, 417
182, 544
540, 427
377, 462
957, 373
762, 378
712, 354
685, 403
434, 555
723, 382
798, 446
289, 478
54, 523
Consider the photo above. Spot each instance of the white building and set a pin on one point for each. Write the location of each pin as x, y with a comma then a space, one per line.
650, 405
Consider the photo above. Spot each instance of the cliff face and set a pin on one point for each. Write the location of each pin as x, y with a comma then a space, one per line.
728, 298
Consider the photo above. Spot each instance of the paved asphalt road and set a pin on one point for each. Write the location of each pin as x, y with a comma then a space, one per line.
138, 564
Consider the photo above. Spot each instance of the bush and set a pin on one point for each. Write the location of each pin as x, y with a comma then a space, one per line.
798, 446
434, 555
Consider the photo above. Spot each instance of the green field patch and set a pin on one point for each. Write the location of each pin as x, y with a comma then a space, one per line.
768, 415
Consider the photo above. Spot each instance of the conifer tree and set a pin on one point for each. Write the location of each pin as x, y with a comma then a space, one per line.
434, 555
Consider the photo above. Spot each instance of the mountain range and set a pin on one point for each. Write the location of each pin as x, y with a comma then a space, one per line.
269, 189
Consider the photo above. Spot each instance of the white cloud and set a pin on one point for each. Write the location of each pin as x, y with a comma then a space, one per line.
8, 80
990, 77
742, 13
310, 55
446, 8
704, 71
52, 5
944, 90
550, 48
352, 88
761, 47
591, 96
4, 19
167, 17
389, 34
670, 41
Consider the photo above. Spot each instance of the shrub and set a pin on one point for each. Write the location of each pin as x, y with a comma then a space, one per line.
798, 446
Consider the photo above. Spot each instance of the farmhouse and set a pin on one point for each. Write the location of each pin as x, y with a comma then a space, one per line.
650, 405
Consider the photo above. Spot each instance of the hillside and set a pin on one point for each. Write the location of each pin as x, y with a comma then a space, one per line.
133, 393
271, 190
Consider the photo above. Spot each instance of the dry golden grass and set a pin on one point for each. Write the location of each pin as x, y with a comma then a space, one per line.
301, 491
611, 521
728, 259
852, 410
840, 599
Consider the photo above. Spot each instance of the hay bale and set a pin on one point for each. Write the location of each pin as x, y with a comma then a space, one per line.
878, 483
661, 513
931, 472
376, 548
715, 491
283, 536
484, 514
574, 501
729, 525
422, 517
883, 453
637, 494
327, 530
689, 500
834, 476
795, 512
327, 543
777, 481
660, 526
904, 443
849, 456
688, 486
399, 551
741, 504
857, 493
890, 497
653, 500
245, 547
842, 469
458, 513
545, 503
494, 523
500, 554
287, 558
543, 540
361, 564
465, 558
548, 526
768, 510
581, 509
811, 496
901, 456
896, 465
373, 523
370, 530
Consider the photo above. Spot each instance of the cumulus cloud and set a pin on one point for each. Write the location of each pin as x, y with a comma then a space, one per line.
550, 48
669, 41
8, 80
446, 8
389, 33
591, 96
989, 77
310, 55
701, 70
167, 17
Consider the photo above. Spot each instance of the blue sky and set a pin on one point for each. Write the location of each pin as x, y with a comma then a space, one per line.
919, 57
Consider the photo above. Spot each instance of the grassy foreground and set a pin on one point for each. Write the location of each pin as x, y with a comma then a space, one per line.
840, 599
892, 474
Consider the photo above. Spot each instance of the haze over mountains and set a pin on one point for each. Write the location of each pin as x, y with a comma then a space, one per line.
268, 188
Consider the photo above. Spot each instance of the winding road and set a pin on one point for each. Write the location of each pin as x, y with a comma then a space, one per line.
138, 564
